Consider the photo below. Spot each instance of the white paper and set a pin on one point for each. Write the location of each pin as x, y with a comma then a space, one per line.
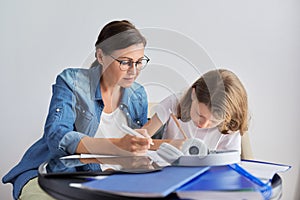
262, 170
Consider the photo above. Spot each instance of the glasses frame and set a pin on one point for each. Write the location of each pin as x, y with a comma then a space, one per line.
131, 63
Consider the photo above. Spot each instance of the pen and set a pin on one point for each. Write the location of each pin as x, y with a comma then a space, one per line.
127, 129
177, 124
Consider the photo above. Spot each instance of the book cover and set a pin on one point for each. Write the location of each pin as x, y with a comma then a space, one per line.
154, 184
220, 182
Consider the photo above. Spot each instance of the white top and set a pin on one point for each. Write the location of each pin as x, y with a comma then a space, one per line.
110, 127
212, 137
110, 124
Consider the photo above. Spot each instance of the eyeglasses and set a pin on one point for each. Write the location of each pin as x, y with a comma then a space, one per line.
126, 64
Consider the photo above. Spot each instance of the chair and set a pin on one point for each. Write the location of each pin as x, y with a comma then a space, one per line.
246, 153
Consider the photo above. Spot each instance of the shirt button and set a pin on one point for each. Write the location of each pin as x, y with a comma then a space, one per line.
57, 109
138, 122
127, 113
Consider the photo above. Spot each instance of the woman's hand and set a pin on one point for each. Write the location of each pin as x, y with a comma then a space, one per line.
133, 144
127, 145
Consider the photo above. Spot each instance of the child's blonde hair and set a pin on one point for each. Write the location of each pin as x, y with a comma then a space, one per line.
224, 94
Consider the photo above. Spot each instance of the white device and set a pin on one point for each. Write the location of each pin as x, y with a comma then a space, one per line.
195, 147
168, 152
195, 153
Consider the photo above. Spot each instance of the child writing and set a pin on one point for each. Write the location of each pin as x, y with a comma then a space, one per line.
214, 109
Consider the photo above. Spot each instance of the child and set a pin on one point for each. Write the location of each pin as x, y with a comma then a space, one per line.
214, 109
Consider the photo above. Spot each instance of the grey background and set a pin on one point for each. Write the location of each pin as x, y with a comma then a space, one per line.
258, 40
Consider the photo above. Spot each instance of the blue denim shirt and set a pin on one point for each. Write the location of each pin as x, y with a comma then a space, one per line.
74, 112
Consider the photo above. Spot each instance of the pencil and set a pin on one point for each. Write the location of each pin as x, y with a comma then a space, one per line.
177, 124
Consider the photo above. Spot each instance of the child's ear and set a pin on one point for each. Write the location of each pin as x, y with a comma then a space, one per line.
193, 94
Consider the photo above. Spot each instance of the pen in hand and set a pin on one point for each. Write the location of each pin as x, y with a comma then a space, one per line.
129, 130
177, 124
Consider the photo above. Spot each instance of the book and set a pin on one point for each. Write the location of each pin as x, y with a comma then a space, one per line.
265, 171
248, 179
220, 182
151, 185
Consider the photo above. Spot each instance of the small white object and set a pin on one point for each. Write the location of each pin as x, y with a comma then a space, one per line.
211, 158
194, 147
168, 152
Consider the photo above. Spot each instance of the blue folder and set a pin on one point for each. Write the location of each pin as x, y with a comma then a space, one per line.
228, 180
154, 184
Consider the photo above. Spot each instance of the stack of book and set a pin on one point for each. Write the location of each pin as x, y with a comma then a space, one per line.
251, 179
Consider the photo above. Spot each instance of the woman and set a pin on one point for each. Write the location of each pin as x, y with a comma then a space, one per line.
214, 109
84, 98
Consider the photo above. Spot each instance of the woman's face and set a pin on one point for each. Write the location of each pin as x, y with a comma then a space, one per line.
112, 67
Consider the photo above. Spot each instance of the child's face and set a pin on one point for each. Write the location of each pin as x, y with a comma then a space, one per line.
201, 115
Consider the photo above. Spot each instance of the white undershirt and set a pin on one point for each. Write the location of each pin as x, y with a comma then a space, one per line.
110, 127
110, 124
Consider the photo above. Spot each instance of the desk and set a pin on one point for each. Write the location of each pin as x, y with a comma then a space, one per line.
58, 187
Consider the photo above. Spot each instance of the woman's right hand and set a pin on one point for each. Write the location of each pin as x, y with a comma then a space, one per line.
133, 144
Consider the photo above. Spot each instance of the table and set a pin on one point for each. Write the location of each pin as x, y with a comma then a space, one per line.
57, 184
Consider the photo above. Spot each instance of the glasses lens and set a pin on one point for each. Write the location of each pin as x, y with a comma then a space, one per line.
126, 64
141, 64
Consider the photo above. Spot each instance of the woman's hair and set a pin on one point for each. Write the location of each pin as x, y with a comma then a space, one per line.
118, 35
223, 93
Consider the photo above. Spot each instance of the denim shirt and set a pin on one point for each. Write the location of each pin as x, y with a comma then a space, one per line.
74, 112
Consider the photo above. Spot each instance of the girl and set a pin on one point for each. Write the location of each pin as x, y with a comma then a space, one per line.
214, 109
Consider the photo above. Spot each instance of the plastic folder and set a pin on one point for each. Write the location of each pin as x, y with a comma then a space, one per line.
220, 181
250, 179
154, 184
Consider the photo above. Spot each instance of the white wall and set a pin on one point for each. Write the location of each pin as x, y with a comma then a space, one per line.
258, 40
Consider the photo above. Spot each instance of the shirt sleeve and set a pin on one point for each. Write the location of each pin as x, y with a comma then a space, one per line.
230, 141
59, 128
162, 109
